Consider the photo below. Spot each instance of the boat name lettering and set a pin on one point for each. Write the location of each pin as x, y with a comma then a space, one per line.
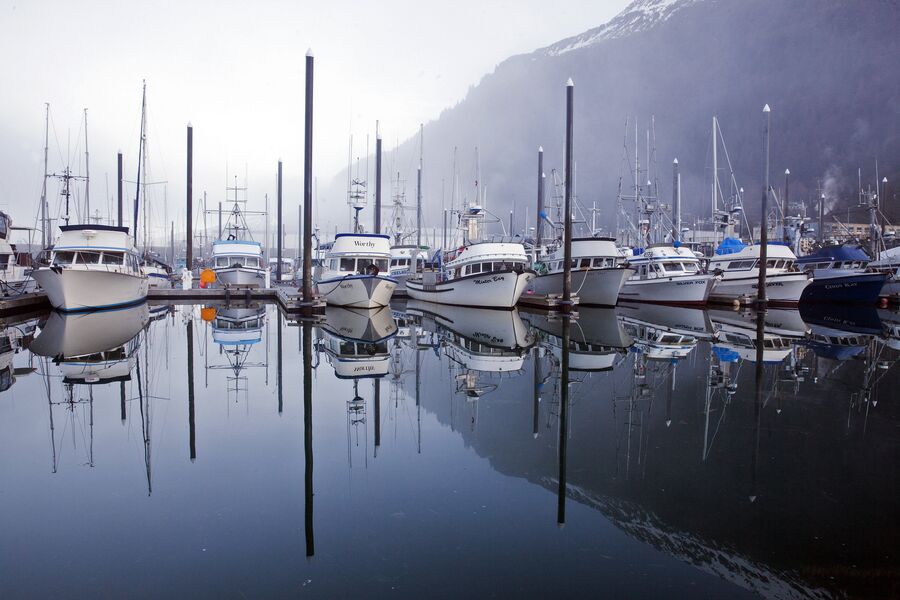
492, 279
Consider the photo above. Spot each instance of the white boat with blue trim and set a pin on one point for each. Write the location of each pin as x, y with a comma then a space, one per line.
738, 267
596, 276
665, 274
354, 272
93, 267
237, 262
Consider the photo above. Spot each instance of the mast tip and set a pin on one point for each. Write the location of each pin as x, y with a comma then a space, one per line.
540, 148
570, 83
766, 108
675, 162
309, 53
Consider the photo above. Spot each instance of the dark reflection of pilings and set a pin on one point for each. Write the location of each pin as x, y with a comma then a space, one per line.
192, 441
757, 403
537, 389
563, 423
418, 399
122, 400
307, 437
377, 415
278, 354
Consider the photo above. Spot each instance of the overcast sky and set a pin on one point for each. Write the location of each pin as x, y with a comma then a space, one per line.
234, 69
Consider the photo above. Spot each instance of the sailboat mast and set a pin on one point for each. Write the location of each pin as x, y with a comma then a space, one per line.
715, 177
87, 172
45, 226
137, 193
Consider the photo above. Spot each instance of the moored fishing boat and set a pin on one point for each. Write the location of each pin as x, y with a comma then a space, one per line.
157, 271
354, 271
93, 267
597, 277
406, 260
840, 274
665, 274
481, 274
237, 262
737, 264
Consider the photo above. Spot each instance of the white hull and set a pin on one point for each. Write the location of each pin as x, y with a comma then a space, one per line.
689, 289
240, 276
157, 278
84, 289
358, 291
500, 289
782, 288
599, 287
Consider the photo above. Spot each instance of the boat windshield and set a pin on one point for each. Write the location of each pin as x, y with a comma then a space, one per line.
63, 257
113, 258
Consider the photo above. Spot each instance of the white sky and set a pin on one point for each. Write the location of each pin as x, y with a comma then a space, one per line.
235, 69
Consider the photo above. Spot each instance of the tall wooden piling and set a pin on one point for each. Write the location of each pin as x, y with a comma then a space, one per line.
120, 190
189, 220
278, 226
308, 182
763, 229
567, 231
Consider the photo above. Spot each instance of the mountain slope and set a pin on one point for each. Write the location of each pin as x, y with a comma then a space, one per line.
828, 69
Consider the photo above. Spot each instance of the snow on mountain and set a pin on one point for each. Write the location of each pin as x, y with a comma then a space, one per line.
640, 15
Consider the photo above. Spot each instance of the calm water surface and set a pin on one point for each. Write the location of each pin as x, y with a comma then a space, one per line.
435, 452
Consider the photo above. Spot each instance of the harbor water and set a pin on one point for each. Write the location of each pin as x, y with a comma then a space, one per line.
435, 451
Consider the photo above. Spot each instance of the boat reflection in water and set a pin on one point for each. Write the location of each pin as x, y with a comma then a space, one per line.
92, 348
236, 329
596, 338
665, 332
13, 340
354, 340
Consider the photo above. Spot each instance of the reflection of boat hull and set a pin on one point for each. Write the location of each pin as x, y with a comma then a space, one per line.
781, 288
64, 335
497, 289
676, 319
496, 329
355, 341
687, 290
243, 276
737, 331
83, 290
238, 325
599, 287
858, 288
596, 337
358, 291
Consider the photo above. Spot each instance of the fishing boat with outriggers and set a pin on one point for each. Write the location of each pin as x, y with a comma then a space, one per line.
666, 274
354, 271
93, 267
738, 264
237, 260
486, 274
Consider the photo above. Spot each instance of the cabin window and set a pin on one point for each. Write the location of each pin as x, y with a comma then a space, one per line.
487, 267
691, 267
673, 266
382, 264
333, 264
89, 258
348, 264
221, 261
63, 258
251, 262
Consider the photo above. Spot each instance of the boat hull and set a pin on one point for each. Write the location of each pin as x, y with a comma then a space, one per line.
597, 287
499, 289
239, 276
857, 288
73, 290
13, 286
358, 291
687, 290
781, 289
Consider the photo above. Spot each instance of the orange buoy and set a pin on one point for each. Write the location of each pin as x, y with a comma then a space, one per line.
207, 276
208, 313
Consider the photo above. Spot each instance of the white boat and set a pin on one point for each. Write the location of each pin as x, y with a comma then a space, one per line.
14, 278
93, 267
596, 276
158, 272
481, 274
355, 341
238, 325
406, 260
237, 262
287, 269
738, 266
665, 274
354, 271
